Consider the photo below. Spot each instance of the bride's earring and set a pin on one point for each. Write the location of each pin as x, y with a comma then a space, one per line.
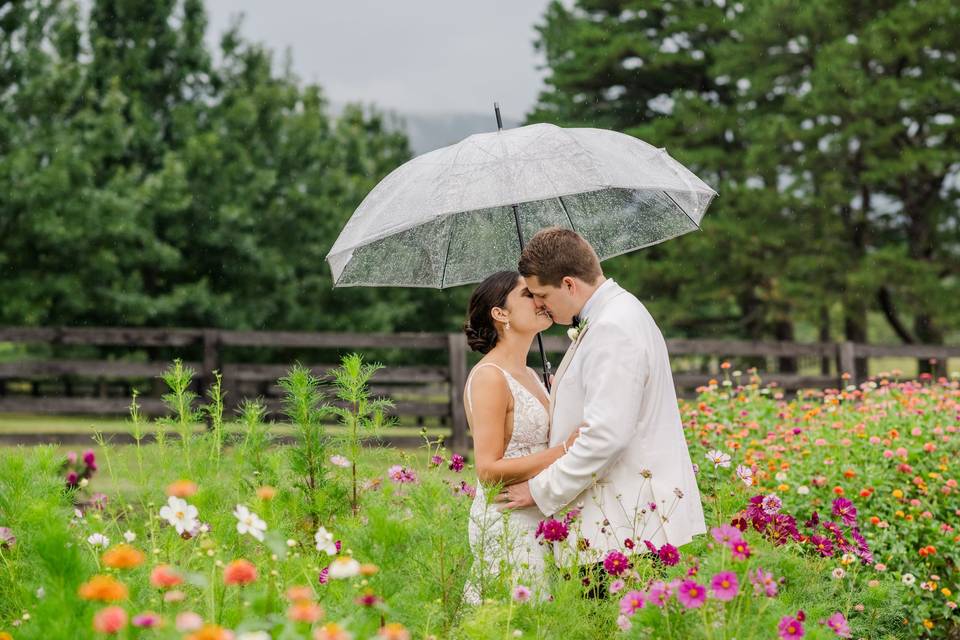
507, 326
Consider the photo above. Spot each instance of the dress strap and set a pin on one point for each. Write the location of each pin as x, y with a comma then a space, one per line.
470, 381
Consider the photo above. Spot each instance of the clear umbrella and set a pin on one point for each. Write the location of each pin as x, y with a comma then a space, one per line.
458, 214
450, 217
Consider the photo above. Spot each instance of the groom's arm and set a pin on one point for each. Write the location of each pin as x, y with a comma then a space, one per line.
613, 372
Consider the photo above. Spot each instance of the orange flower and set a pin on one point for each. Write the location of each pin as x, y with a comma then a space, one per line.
123, 556
874, 520
103, 588
849, 473
210, 632
5, 635
110, 620
838, 491
239, 572
330, 631
266, 493
182, 488
299, 592
368, 569
305, 611
164, 576
393, 631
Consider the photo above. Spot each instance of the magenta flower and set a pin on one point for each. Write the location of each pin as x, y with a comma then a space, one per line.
844, 509
727, 534
324, 576
465, 489
146, 620
615, 563
659, 593
521, 593
456, 462
401, 475
436, 461
740, 550
552, 530
790, 628
633, 601
771, 504
823, 545
669, 555
763, 583
725, 586
839, 625
691, 595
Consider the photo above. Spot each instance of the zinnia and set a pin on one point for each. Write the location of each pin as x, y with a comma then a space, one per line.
332, 631
239, 572
305, 611
164, 576
393, 631
182, 489
147, 620
123, 556
110, 620
103, 588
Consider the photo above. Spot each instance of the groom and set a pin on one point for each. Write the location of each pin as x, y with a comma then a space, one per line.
629, 472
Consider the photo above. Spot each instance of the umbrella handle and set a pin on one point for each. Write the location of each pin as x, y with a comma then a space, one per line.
546, 365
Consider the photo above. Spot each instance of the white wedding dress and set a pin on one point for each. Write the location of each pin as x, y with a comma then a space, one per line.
505, 541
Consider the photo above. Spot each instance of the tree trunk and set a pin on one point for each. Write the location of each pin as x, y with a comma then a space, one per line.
783, 332
855, 330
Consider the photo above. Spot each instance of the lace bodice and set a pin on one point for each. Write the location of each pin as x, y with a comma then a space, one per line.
531, 422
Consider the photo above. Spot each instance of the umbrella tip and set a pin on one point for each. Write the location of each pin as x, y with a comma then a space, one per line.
496, 111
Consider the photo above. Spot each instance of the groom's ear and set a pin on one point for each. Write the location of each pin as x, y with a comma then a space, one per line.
569, 284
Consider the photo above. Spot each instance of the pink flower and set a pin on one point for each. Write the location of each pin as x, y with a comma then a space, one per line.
436, 461
146, 620
691, 595
763, 583
632, 602
616, 586
740, 550
401, 475
659, 593
324, 576
725, 586
110, 620
456, 462
521, 593
839, 625
771, 504
188, 621
624, 623
615, 563
790, 628
727, 534
745, 474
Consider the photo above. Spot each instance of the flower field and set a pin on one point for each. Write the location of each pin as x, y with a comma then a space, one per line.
831, 514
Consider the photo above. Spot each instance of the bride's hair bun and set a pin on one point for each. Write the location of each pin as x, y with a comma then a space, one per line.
480, 328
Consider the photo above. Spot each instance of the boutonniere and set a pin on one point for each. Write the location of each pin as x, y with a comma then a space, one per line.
574, 332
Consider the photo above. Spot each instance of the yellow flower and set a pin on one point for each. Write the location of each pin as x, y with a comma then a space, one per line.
928, 624
4, 635
946, 592
783, 487
897, 494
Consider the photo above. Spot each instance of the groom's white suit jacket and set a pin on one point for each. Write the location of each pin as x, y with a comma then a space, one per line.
615, 381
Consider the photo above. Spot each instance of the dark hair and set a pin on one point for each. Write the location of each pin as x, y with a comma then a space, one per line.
555, 253
492, 292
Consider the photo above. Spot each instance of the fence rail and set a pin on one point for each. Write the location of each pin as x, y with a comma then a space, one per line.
420, 392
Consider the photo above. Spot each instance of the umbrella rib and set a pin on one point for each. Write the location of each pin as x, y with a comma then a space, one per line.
573, 227
681, 209
446, 257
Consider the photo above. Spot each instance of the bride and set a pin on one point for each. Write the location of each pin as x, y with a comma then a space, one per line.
508, 411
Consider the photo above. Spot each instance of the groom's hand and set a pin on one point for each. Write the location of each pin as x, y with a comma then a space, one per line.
516, 496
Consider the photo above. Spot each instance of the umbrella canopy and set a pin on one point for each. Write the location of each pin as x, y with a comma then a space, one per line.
450, 217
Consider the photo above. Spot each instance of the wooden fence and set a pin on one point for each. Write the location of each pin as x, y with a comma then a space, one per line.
422, 393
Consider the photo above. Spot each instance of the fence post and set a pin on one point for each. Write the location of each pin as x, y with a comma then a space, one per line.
847, 362
211, 361
457, 352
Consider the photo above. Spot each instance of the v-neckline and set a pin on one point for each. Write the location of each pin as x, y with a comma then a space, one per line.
545, 407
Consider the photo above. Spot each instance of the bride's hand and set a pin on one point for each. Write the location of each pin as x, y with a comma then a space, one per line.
573, 437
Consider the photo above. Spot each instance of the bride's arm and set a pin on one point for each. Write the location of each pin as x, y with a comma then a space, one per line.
487, 424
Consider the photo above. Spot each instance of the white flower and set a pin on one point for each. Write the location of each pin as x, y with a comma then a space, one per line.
99, 540
249, 522
41, 593
325, 542
803, 490
180, 515
838, 573
339, 461
781, 476
344, 567
718, 458
745, 474
291, 543
908, 579
573, 333
129, 536
847, 558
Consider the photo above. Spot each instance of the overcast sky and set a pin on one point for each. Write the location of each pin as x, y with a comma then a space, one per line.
422, 56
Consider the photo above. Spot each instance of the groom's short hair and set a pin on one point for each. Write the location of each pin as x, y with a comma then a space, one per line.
555, 253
